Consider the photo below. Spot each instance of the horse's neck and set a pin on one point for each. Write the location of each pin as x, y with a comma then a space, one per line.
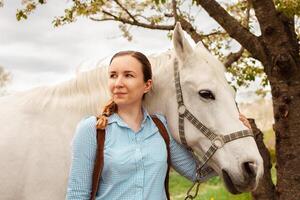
163, 84
85, 94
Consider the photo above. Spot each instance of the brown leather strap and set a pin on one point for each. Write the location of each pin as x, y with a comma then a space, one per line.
99, 161
164, 133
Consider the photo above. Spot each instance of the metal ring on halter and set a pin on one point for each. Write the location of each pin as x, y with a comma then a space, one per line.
198, 172
218, 142
181, 109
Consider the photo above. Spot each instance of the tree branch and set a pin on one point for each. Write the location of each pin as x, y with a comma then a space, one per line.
123, 8
141, 16
168, 15
232, 57
188, 27
214, 33
135, 23
174, 7
234, 28
248, 13
102, 19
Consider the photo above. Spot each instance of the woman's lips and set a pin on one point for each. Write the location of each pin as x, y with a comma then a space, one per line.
119, 93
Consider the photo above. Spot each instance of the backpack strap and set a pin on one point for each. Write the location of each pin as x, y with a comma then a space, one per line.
99, 161
164, 133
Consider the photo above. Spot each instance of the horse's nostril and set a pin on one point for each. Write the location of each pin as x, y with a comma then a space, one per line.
250, 168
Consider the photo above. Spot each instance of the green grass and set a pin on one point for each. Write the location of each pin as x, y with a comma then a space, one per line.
210, 190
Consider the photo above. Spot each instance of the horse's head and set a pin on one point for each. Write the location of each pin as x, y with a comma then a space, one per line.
209, 97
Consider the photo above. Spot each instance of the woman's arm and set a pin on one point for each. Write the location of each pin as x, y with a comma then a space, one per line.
182, 160
83, 156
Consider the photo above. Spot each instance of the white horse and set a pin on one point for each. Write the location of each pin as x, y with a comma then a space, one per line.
36, 127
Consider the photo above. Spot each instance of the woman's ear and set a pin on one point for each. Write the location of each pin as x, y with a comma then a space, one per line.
148, 86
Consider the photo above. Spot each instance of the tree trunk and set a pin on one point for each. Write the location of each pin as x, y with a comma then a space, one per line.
286, 104
282, 66
266, 188
278, 50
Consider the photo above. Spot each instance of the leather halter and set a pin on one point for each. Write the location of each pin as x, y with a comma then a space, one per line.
217, 141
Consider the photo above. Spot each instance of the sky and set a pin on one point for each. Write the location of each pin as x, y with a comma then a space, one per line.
37, 54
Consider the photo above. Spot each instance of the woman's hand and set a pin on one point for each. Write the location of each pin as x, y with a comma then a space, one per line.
245, 121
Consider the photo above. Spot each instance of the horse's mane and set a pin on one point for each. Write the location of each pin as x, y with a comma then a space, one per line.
87, 92
81, 93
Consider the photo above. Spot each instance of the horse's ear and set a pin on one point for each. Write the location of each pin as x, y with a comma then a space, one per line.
181, 45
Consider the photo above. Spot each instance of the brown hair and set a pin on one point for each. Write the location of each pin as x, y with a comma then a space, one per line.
111, 106
146, 66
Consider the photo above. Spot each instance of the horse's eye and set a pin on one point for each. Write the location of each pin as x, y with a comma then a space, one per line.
207, 94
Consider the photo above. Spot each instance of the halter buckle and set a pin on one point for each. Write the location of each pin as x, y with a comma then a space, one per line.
218, 142
181, 109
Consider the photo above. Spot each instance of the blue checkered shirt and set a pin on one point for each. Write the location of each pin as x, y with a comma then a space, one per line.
135, 163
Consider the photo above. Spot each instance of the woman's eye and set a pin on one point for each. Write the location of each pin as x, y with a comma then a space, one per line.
112, 76
207, 94
129, 75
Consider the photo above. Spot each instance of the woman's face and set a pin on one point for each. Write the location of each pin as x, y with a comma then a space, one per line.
126, 81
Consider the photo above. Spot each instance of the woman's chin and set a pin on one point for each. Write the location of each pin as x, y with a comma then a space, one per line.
125, 102
121, 101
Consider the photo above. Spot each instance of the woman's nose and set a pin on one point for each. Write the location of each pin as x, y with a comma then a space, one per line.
119, 82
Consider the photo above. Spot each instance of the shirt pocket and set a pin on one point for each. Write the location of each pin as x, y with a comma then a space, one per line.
156, 148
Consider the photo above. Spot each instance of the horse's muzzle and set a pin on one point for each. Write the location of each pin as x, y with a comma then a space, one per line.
245, 183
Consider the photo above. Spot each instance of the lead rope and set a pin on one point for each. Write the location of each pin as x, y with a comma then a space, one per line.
188, 195
197, 184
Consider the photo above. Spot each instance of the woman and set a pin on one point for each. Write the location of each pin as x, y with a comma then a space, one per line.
135, 156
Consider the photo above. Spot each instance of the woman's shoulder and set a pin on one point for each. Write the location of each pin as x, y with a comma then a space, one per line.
86, 121
85, 130
86, 126
161, 117
85, 134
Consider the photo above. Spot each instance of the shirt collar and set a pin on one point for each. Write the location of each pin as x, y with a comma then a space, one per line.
116, 118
